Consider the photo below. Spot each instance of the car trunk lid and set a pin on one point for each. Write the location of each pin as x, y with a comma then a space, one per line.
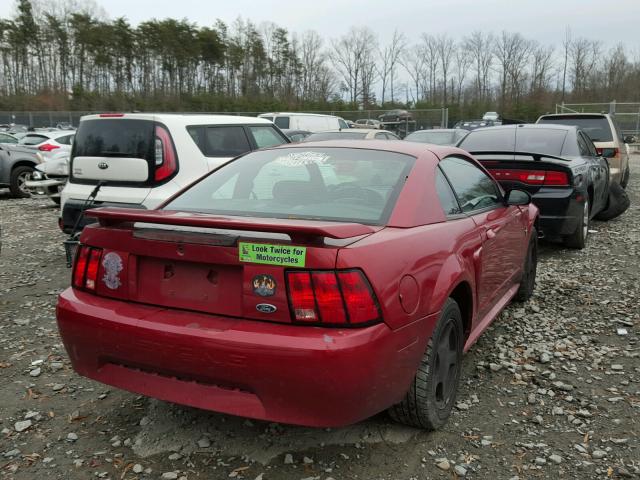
230, 266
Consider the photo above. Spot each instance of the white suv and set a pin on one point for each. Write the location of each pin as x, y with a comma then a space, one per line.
142, 159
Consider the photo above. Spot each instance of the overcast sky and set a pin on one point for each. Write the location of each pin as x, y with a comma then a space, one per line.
610, 21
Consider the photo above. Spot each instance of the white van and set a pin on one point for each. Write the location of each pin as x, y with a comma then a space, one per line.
311, 122
145, 158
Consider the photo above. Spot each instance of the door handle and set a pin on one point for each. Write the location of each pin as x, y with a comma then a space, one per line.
491, 233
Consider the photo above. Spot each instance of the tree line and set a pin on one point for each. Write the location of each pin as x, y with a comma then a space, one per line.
67, 54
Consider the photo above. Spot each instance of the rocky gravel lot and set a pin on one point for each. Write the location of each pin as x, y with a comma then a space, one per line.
551, 390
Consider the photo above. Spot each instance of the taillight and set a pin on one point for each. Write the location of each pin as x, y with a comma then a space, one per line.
47, 147
85, 270
165, 154
111, 115
332, 298
531, 177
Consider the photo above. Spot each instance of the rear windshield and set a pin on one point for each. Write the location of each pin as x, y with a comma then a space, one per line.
122, 137
596, 127
529, 140
436, 138
282, 122
336, 136
30, 139
335, 184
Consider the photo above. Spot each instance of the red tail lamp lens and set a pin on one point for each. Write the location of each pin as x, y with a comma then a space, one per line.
332, 298
358, 297
327, 291
302, 298
85, 271
80, 266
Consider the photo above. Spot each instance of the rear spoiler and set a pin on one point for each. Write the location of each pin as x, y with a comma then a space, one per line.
109, 216
536, 156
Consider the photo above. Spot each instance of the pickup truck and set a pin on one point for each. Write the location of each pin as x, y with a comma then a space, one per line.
17, 163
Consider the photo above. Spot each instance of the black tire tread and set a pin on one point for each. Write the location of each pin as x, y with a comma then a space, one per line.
522, 295
414, 409
617, 204
13, 185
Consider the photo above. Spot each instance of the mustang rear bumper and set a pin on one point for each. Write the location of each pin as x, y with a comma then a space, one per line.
278, 372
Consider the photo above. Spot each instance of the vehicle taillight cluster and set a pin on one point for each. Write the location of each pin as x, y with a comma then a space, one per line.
332, 298
165, 155
85, 269
531, 177
616, 152
47, 147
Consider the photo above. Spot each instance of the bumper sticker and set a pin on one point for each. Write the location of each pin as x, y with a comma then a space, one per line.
264, 285
284, 255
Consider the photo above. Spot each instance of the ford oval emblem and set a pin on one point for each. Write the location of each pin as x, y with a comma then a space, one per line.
266, 308
103, 165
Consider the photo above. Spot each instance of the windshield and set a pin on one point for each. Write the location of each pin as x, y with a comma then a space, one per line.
336, 136
547, 141
335, 184
597, 127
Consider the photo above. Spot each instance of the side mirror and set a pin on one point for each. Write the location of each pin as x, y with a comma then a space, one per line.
517, 197
608, 152
629, 139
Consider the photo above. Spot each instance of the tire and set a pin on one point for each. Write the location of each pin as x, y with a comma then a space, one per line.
528, 281
578, 239
617, 203
433, 391
625, 177
19, 176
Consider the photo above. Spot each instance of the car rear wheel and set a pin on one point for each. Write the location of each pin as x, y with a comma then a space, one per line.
578, 239
18, 181
432, 393
528, 281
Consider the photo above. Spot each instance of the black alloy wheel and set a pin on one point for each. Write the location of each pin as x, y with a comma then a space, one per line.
433, 391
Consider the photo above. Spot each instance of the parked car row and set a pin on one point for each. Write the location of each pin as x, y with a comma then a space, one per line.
372, 262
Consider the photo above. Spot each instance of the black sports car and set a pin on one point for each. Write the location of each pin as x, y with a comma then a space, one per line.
557, 165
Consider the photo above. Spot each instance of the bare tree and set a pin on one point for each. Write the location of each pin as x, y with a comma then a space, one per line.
480, 47
462, 61
566, 45
431, 61
353, 56
389, 58
413, 62
445, 47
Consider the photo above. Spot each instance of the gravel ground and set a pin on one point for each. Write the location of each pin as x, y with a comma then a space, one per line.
551, 390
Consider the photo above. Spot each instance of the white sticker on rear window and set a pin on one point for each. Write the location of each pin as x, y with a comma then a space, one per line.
298, 159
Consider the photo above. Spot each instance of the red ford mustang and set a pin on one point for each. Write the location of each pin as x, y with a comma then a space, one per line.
315, 284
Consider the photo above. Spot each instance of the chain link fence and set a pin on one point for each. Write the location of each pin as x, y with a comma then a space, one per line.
398, 123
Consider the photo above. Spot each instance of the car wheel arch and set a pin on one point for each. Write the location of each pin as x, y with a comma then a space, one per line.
23, 163
460, 289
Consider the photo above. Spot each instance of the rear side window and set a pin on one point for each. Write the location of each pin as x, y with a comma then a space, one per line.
7, 139
596, 127
124, 138
266, 136
474, 188
220, 141
282, 122
31, 139
336, 184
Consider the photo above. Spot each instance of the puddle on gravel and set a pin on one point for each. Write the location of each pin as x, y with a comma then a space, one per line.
172, 428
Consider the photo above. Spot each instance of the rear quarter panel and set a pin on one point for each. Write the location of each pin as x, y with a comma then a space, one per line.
414, 270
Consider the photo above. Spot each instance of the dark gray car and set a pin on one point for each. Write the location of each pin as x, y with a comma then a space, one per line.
17, 163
